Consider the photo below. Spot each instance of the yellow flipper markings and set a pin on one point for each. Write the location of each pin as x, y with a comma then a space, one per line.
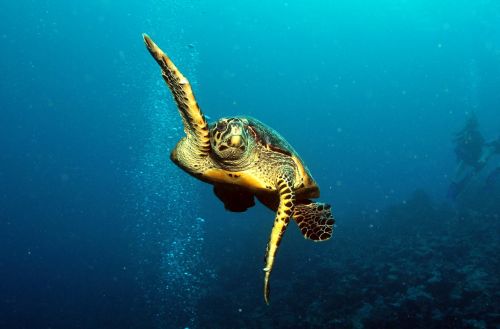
285, 210
194, 122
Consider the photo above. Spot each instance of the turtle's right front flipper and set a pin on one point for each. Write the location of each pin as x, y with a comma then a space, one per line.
193, 119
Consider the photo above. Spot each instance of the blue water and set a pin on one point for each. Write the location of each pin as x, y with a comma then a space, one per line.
98, 229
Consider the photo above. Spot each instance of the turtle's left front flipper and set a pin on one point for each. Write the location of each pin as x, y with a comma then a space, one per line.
283, 215
193, 119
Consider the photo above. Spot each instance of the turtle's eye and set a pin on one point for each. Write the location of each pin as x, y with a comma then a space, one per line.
221, 126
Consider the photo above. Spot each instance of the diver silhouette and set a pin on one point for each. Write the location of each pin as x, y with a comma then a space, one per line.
473, 154
468, 150
489, 150
469, 143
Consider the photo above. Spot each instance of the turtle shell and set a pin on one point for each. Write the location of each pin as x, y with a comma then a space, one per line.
268, 138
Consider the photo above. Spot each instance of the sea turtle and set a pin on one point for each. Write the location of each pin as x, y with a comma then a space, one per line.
243, 158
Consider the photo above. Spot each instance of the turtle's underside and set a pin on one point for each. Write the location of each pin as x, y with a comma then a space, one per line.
244, 159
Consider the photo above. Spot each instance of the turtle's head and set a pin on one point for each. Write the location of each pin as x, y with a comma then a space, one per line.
229, 138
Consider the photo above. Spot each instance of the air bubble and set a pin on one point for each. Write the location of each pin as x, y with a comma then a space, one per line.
170, 234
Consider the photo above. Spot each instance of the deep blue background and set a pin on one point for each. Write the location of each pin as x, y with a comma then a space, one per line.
368, 92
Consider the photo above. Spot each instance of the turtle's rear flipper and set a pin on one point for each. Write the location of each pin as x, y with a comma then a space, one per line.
315, 220
234, 198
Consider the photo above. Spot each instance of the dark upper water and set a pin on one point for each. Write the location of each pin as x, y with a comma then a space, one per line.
98, 229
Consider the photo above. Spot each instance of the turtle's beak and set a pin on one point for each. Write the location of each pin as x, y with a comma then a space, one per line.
235, 141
